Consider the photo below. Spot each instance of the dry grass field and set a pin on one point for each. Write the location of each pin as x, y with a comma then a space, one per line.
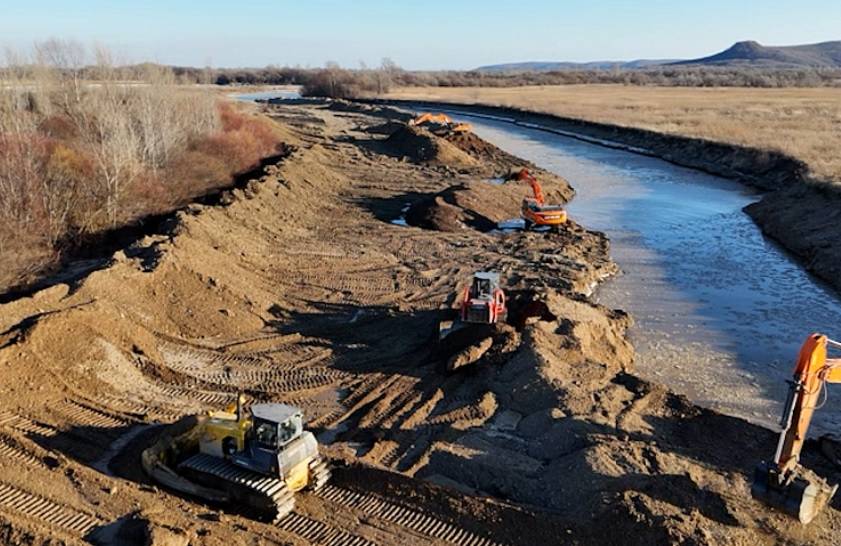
802, 122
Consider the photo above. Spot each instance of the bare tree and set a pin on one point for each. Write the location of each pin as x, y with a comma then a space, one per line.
66, 58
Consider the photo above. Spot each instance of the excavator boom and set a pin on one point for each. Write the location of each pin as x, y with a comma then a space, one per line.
783, 483
442, 121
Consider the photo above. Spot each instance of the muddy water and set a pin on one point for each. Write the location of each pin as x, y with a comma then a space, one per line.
720, 311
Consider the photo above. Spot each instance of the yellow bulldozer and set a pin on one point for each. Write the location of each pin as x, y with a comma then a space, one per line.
253, 458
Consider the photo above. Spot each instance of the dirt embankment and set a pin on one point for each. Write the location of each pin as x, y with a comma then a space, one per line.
796, 212
298, 289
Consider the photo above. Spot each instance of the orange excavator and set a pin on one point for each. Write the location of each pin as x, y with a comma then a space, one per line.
440, 123
783, 483
535, 211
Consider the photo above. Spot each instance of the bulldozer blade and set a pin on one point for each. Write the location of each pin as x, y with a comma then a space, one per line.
802, 495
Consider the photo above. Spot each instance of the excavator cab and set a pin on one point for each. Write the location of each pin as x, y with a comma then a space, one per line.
782, 482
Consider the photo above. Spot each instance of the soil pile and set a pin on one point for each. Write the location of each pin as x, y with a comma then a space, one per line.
479, 205
419, 145
547, 430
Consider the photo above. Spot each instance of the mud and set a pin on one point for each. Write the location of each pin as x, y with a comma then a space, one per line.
300, 290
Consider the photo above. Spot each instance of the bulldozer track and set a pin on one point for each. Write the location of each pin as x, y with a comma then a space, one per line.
46, 511
391, 457
468, 413
395, 406
10, 450
317, 532
272, 490
211, 398
25, 425
253, 371
81, 414
140, 409
426, 525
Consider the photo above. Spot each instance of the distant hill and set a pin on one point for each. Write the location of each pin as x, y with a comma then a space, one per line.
748, 53
826, 55
549, 66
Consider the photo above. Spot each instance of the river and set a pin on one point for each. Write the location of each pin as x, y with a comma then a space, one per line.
720, 311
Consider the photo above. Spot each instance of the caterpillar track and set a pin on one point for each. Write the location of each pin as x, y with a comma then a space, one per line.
265, 494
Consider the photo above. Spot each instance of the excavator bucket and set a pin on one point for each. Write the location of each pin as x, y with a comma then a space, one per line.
801, 495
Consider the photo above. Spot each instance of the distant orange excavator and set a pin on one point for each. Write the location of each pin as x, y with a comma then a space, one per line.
440, 123
783, 483
535, 211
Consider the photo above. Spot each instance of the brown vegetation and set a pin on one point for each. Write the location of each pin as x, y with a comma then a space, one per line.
804, 123
334, 81
79, 156
676, 76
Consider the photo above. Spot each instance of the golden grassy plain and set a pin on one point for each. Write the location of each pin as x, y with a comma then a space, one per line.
802, 122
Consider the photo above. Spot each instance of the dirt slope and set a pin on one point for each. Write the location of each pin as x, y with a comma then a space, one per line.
300, 289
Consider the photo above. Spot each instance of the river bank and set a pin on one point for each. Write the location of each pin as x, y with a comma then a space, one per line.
798, 211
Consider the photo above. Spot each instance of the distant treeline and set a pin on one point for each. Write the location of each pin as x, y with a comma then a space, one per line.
336, 81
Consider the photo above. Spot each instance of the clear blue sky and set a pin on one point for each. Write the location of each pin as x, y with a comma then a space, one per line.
417, 34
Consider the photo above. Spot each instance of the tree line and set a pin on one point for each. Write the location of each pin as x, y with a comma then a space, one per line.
335, 81
84, 149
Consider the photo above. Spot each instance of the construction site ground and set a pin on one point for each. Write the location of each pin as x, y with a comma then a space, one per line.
321, 283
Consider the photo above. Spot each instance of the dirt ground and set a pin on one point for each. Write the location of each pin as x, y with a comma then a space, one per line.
302, 288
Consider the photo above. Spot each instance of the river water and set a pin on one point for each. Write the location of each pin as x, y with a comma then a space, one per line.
720, 310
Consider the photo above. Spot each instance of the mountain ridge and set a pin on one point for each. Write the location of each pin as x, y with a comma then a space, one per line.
745, 53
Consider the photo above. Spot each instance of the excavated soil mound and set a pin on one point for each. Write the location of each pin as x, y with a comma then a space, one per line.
260, 294
421, 146
478, 205
470, 143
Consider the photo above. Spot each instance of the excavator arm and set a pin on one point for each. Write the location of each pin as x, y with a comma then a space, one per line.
782, 483
536, 188
442, 119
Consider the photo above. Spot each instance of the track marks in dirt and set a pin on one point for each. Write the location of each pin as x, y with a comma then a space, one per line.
26, 426
429, 527
45, 511
301, 369
11, 450
317, 532
78, 413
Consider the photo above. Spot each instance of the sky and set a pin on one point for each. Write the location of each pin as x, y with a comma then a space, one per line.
416, 34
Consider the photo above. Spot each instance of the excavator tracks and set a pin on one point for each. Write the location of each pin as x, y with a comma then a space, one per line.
266, 494
423, 524
45, 511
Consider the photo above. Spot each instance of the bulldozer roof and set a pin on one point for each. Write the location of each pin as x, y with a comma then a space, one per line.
489, 275
276, 413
